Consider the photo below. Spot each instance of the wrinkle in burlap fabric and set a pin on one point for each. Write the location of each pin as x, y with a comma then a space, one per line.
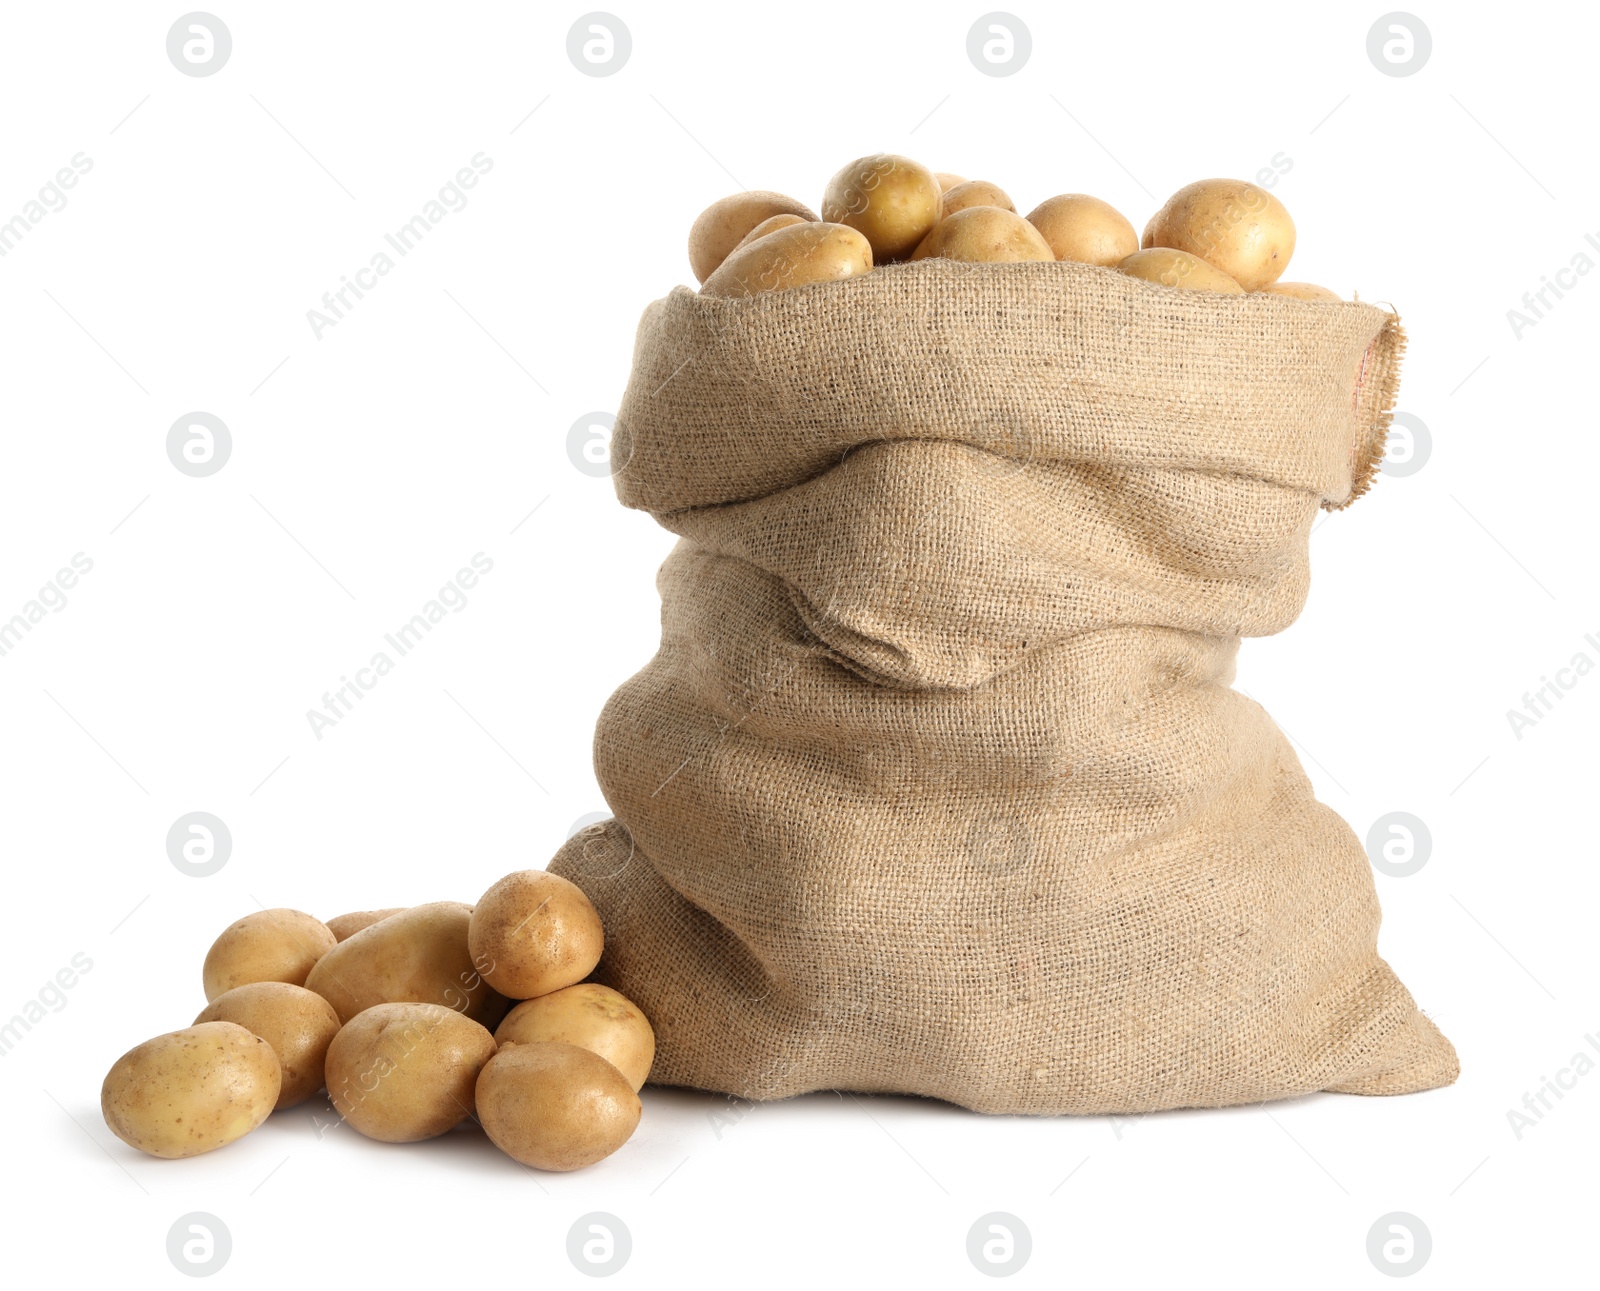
937, 783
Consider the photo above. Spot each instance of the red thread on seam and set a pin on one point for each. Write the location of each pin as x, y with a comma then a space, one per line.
1355, 402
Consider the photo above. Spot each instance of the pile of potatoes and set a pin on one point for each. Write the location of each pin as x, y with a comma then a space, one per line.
413, 1019
1223, 235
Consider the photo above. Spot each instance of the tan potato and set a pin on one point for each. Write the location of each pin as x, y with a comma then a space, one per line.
297, 1023
534, 932
267, 946
345, 926
417, 956
1300, 291
891, 201
1083, 228
591, 1016
555, 1106
771, 225
719, 227
975, 192
791, 257
947, 181
984, 233
404, 1072
1177, 269
1232, 225
191, 1091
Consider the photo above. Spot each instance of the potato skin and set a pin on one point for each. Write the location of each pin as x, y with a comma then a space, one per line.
1300, 291
555, 1106
769, 225
1083, 228
1179, 269
534, 932
591, 1016
984, 234
947, 181
267, 946
791, 257
417, 956
345, 926
890, 200
1232, 225
191, 1091
975, 192
718, 228
401, 1073
297, 1023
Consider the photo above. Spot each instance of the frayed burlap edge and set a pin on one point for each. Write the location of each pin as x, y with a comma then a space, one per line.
1377, 387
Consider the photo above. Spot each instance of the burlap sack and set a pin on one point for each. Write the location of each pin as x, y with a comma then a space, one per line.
937, 784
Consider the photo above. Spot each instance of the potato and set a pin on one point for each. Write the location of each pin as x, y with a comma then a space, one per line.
534, 932
343, 926
267, 946
1083, 228
975, 192
404, 1072
297, 1023
417, 956
1177, 269
947, 181
891, 201
791, 257
591, 1016
1232, 225
719, 227
771, 225
555, 1106
191, 1091
984, 233
1300, 291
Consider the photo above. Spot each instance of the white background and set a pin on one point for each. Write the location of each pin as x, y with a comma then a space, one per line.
426, 426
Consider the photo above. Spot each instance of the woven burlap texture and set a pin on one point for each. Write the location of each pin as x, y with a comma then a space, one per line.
937, 783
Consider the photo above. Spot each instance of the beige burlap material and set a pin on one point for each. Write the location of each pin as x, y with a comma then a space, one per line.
937, 783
